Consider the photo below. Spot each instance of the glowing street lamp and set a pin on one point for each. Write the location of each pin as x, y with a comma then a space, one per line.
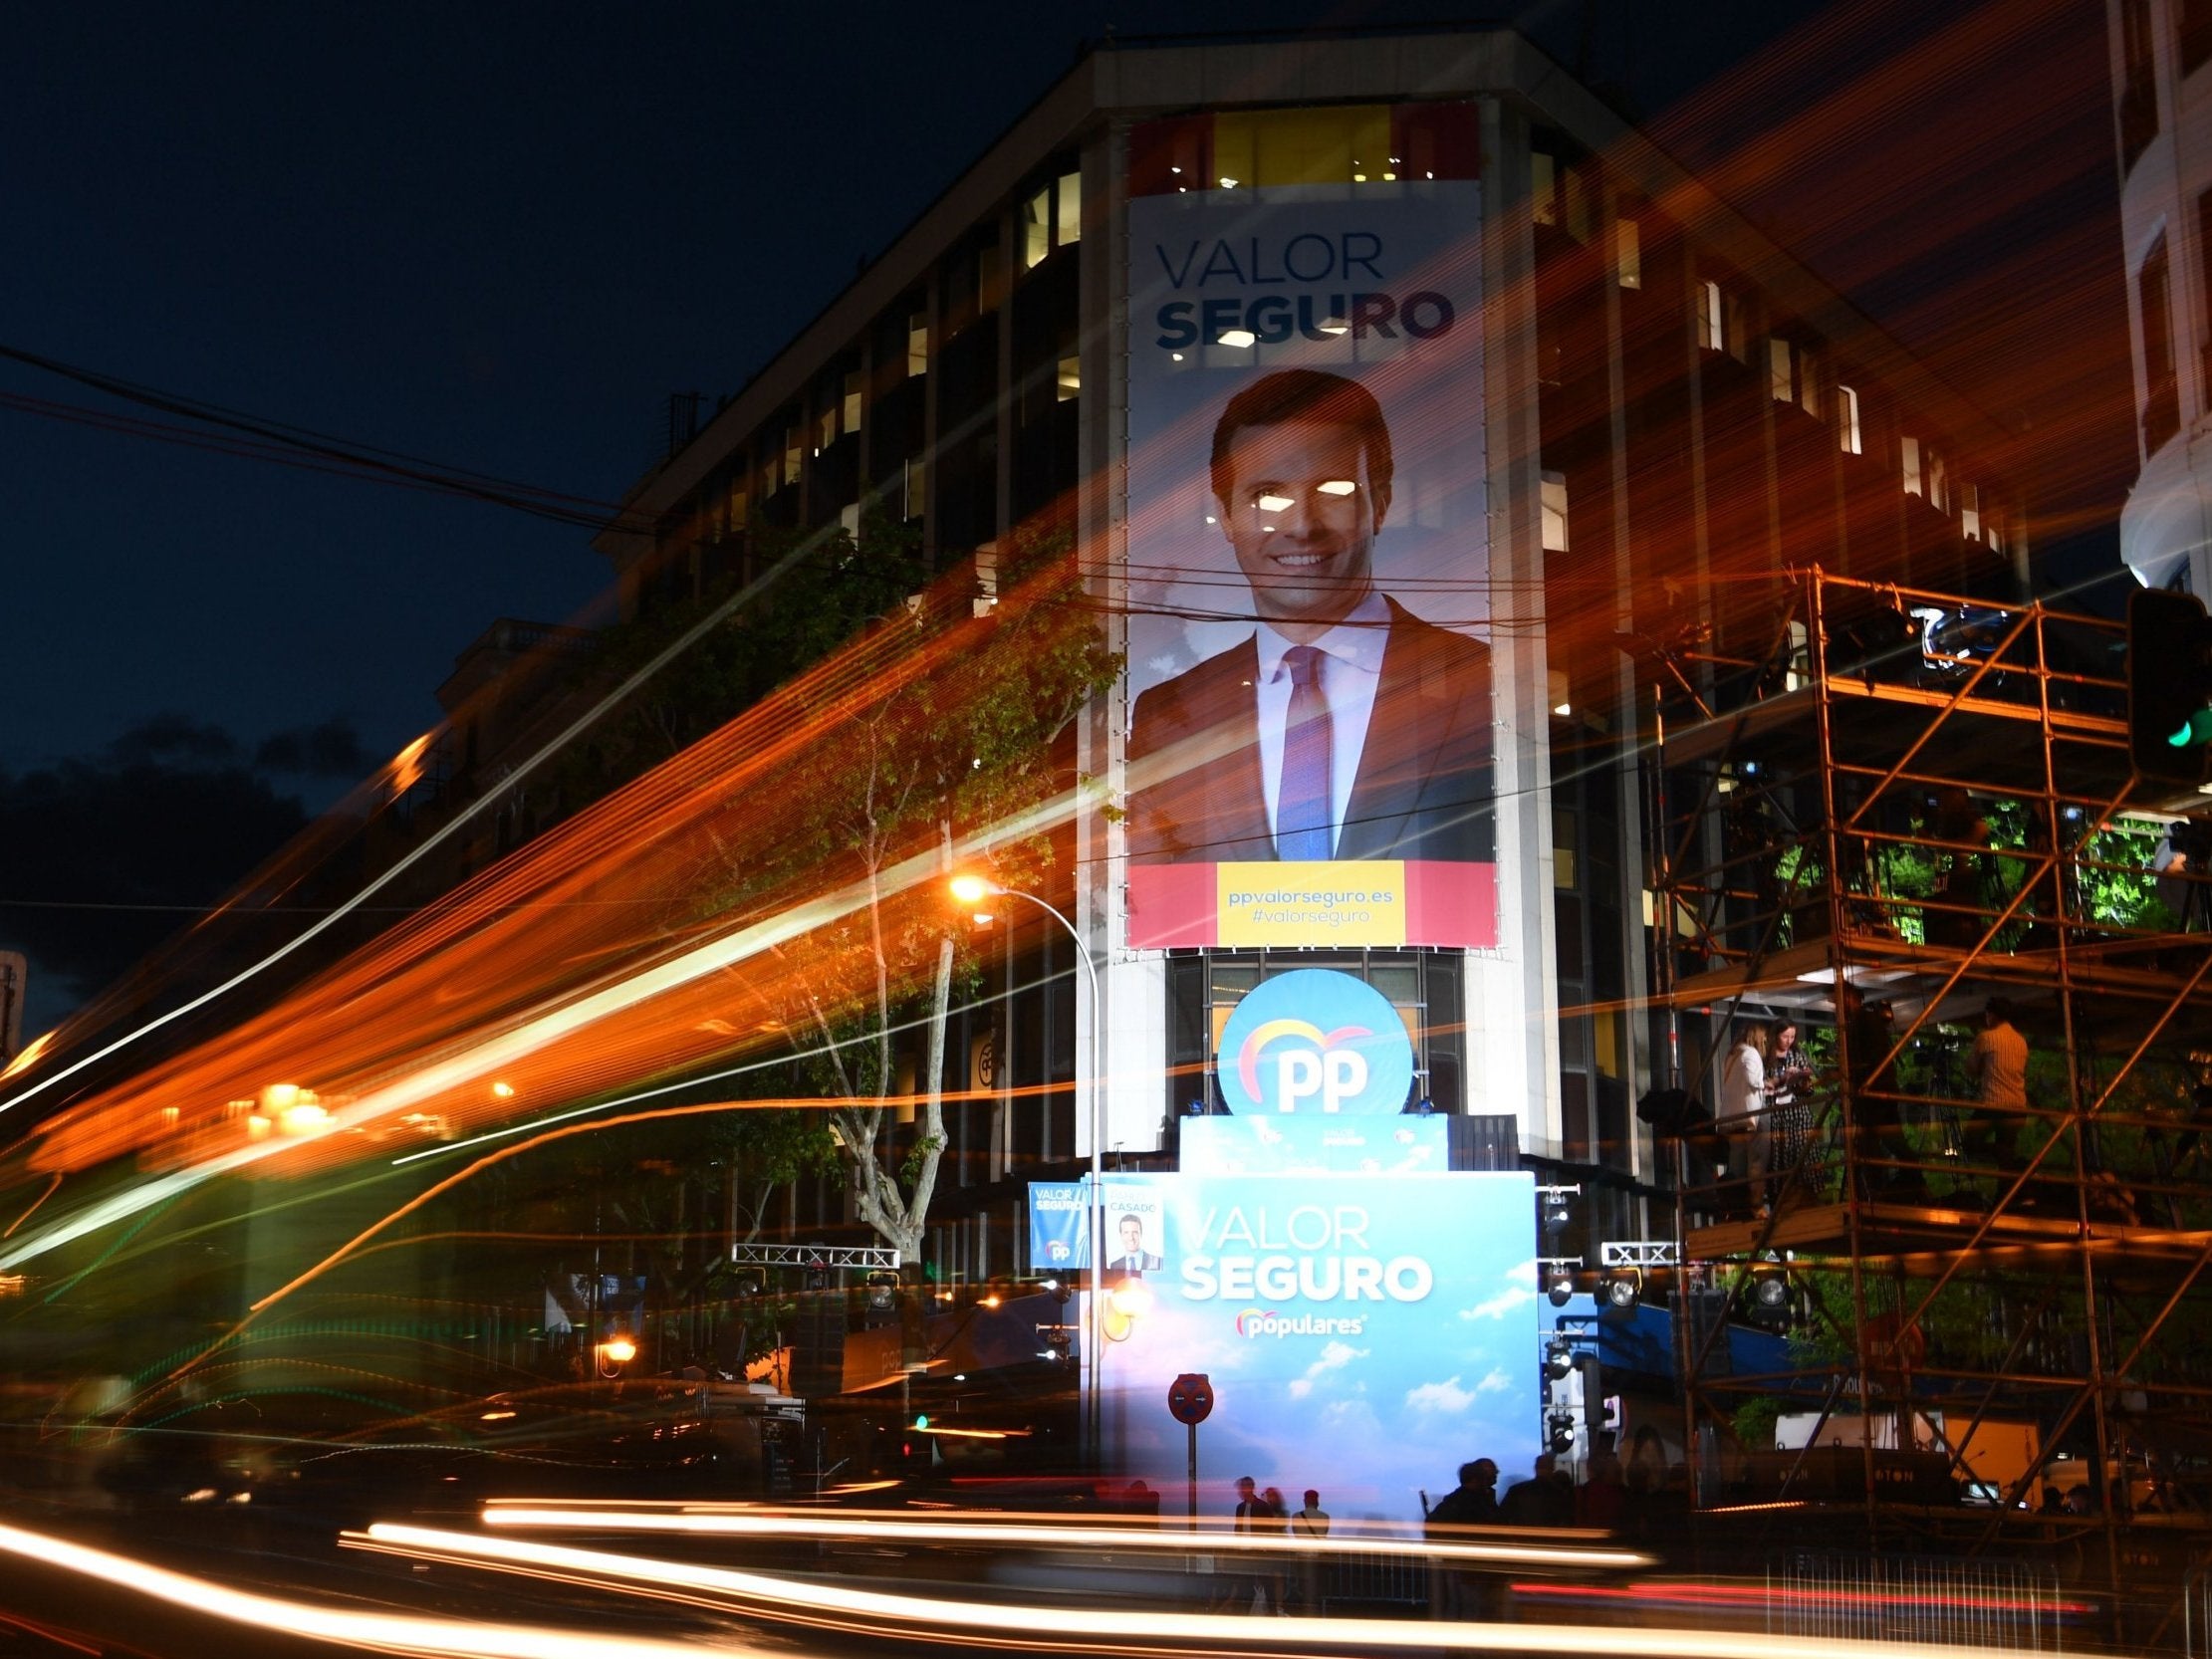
971, 890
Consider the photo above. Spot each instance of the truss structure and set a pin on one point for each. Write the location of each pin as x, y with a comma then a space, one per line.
872, 1257
1906, 805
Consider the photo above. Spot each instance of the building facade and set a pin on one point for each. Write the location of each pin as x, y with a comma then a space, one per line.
1620, 417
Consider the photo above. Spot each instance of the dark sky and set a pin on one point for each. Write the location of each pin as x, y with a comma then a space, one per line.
500, 236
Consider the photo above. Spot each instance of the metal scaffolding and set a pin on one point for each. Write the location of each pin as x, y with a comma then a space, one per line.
1905, 807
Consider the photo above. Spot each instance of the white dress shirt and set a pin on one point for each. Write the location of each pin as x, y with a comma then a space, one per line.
1350, 669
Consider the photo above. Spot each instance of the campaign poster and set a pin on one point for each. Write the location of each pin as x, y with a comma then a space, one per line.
1310, 721
1364, 1334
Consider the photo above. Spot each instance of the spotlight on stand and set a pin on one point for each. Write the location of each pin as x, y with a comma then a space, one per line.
1767, 1303
1622, 1291
1559, 1360
1561, 1438
882, 1291
1559, 1284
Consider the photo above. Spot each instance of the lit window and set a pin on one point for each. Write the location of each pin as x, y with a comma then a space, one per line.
1781, 371
1993, 530
1543, 189
1628, 251
739, 507
793, 447
1709, 318
1069, 384
913, 504
1970, 512
1939, 483
1068, 210
851, 411
917, 343
1554, 500
826, 428
1849, 437
1908, 455
986, 577
1037, 229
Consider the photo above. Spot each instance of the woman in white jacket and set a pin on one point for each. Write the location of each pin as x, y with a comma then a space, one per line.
1743, 1104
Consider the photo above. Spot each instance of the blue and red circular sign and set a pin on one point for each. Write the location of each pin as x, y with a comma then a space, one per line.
1313, 1041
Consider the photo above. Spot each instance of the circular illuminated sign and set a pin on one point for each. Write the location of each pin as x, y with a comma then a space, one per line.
1313, 1041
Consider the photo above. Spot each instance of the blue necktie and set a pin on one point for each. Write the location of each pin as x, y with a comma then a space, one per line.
1302, 804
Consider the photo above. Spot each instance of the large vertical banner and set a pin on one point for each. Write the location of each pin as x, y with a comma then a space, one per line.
1364, 1334
1311, 717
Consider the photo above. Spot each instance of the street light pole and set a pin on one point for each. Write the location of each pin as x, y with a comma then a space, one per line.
969, 889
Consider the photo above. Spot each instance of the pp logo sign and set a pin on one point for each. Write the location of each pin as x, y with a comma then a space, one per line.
1315, 1042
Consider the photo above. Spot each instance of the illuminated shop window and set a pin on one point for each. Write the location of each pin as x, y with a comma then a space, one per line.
1628, 253
1908, 460
1551, 494
917, 343
1068, 384
1849, 437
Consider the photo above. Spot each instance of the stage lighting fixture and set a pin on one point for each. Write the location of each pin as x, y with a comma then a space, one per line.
1555, 1214
1622, 1290
1561, 1287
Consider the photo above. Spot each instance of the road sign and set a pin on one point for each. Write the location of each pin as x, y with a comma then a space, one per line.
1190, 1398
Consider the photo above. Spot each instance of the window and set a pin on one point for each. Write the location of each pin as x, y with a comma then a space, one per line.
2139, 99
1849, 437
1068, 384
917, 343
1710, 318
1553, 499
1781, 371
1908, 457
1037, 229
913, 503
1970, 512
793, 454
986, 577
1543, 189
1627, 253
2161, 398
1940, 482
738, 505
848, 519
1068, 210
851, 411
1051, 218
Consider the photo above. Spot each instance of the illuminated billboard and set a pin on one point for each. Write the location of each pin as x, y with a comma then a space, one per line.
1310, 722
1366, 1334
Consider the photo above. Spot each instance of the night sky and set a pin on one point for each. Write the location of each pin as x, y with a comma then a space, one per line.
499, 237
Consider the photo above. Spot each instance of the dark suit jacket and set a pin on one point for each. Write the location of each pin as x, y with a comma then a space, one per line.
1423, 789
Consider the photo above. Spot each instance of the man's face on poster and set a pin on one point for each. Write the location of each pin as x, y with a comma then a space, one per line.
1132, 1236
1302, 513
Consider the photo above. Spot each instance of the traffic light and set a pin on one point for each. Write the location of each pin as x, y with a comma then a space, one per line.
2169, 689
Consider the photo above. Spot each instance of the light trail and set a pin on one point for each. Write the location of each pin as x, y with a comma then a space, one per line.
318, 1621
1102, 1626
894, 1527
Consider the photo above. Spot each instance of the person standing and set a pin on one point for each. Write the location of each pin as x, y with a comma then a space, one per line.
1997, 1067
1472, 1503
1743, 1106
1308, 1525
1789, 1111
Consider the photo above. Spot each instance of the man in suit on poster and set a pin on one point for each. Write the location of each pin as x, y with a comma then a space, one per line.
1345, 727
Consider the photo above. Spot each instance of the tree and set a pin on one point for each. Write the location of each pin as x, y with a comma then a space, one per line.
909, 719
